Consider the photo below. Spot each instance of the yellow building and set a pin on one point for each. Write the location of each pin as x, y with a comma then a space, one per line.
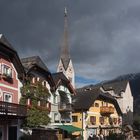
96, 113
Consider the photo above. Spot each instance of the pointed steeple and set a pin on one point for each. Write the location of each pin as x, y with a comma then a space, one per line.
65, 55
65, 63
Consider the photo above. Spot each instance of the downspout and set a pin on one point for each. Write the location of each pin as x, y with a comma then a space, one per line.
82, 125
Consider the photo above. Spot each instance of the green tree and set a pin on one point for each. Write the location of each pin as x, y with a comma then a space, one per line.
37, 112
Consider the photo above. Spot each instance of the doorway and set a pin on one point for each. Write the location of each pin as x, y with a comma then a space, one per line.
12, 133
1, 133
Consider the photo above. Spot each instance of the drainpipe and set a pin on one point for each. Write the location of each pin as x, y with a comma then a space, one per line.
82, 125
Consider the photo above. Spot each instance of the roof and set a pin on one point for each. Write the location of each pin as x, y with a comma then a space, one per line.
65, 55
60, 79
65, 62
58, 76
7, 50
117, 86
83, 100
34, 64
34, 60
5, 42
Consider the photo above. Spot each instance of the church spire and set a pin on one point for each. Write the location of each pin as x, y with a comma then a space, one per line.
65, 64
65, 55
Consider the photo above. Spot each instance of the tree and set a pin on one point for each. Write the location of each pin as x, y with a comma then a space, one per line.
37, 112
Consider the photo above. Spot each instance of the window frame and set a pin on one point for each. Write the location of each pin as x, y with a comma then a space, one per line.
93, 120
3, 66
75, 118
7, 93
96, 104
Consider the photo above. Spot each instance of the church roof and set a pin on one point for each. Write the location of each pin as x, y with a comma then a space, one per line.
65, 55
65, 62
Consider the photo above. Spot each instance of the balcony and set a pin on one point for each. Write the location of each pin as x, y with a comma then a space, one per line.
105, 110
62, 107
12, 110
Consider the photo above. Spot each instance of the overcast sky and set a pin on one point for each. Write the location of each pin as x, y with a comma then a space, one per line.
104, 35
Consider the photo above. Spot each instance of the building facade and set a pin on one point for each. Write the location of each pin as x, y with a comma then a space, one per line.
61, 107
11, 77
96, 113
122, 93
38, 73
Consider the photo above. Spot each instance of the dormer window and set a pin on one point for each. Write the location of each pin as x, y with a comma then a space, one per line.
7, 71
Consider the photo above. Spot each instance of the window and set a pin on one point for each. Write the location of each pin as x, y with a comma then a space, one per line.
56, 119
96, 105
44, 83
74, 118
7, 71
35, 79
101, 120
55, 99
93, 120
115, 120
7, 97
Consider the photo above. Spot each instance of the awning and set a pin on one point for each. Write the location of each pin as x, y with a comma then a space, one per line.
69, 128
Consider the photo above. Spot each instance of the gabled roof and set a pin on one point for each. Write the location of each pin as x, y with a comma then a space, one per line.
7, 50
34, 64
34, 60
117, 86
60, 79
5, 42
83, 100
65, 62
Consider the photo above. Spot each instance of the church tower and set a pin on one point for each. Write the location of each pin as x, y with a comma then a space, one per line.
65, 63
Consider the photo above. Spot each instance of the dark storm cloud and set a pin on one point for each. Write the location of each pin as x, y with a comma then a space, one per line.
104, 35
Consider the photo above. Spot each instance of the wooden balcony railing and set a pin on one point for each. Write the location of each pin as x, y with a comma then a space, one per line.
64, 107
12, 110
106, 110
